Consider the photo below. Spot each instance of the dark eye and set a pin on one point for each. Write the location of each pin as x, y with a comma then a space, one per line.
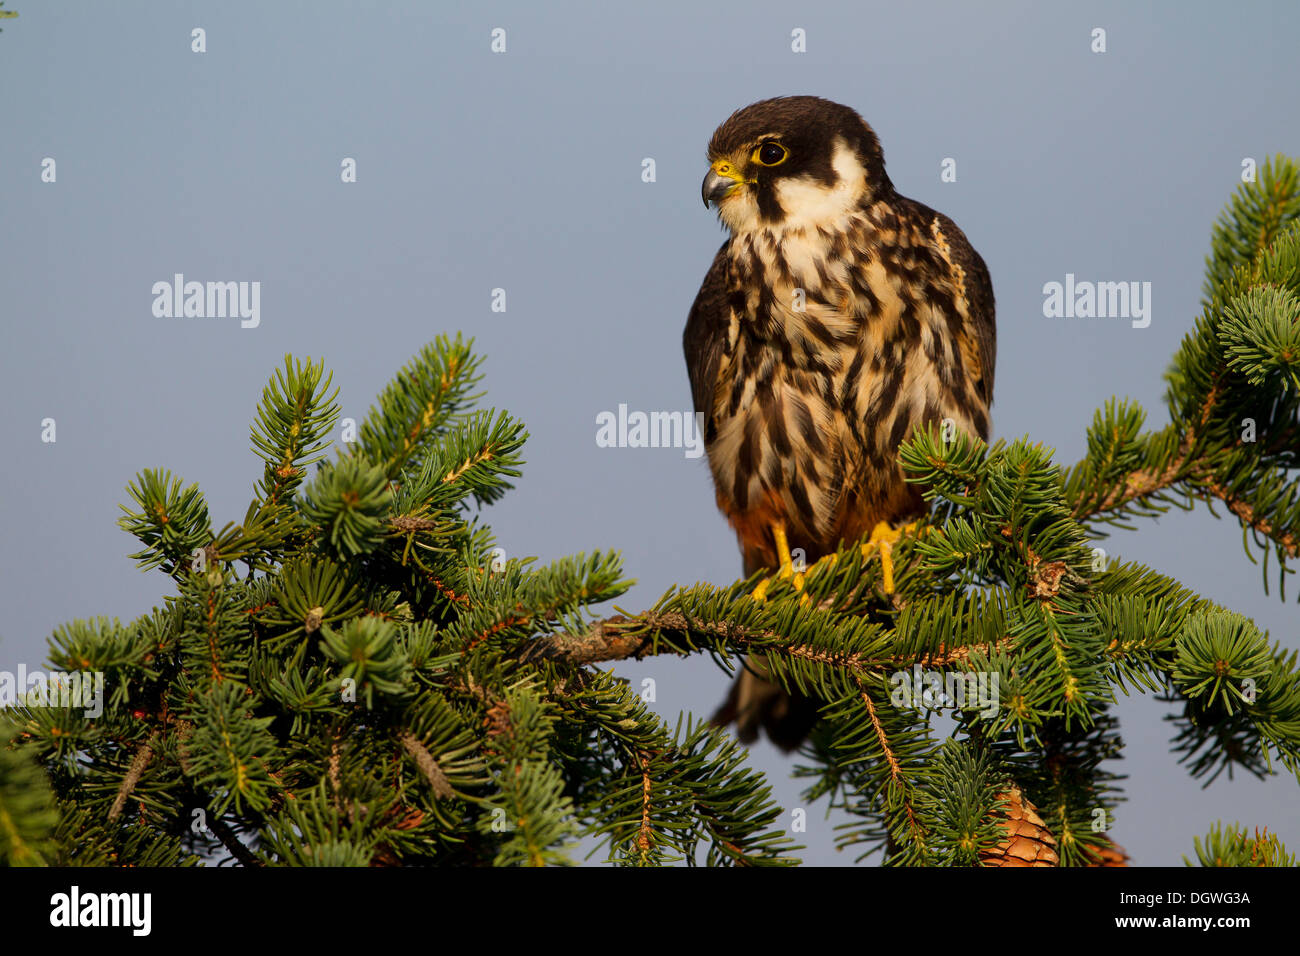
771, 154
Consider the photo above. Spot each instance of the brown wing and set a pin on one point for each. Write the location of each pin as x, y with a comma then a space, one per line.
705, 336
979, 301
979, 341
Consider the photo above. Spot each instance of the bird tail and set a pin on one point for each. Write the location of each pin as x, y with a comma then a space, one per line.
755, 702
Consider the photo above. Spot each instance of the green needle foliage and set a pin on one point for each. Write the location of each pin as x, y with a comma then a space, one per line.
356, 675
1235, 847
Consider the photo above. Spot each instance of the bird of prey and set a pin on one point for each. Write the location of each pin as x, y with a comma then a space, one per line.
837, 317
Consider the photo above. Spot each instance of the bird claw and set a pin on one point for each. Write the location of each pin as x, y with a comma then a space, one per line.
883, 537
786, 568
798, 578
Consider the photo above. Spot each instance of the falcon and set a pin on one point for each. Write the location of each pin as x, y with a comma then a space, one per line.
837, 317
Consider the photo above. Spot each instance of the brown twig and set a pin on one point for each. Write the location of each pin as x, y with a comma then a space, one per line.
138, 764
895, 770
428, 766
231, 842
1145, 481
645, 834
1138, 484
335, 771
409, 523
1286, 539
605, 641
622, 638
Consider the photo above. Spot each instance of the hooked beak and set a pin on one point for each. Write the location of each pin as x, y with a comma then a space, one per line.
722, 180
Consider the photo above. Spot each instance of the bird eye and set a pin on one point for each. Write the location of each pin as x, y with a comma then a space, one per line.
771, 154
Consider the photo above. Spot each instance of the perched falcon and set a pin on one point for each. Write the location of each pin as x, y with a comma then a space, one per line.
836, 317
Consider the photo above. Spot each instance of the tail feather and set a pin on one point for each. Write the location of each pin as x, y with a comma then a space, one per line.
753, 702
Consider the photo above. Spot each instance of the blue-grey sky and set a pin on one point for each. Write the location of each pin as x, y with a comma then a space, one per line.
522, 171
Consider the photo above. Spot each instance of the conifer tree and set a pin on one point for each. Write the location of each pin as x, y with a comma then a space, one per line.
351, 675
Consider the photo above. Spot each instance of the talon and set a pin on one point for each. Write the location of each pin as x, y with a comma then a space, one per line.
883, 537
785, 566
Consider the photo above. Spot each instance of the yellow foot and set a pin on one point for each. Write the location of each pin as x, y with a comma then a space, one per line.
787, 568
882, 539
787, 565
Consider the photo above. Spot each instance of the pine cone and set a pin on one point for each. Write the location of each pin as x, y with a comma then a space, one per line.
1110, 855
1029, 842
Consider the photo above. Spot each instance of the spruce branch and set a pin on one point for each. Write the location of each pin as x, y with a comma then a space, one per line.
383, 688
138, 763
297, 411
28, 815
426, 397
428, 766
1235, 846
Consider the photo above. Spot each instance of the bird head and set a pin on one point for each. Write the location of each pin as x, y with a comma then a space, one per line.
792, 161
